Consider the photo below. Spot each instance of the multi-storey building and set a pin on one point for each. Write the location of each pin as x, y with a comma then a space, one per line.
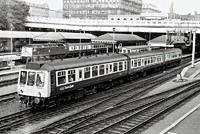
55, 13
100, 9
41, 10
149, 8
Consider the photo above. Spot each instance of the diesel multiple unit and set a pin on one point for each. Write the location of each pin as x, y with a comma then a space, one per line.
46, 82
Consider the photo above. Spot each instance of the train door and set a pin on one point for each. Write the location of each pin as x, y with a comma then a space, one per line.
79, 74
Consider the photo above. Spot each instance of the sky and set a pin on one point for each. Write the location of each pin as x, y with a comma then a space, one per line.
180, 6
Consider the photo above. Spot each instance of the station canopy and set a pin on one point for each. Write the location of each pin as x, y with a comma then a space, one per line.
45, 36
112, 37
61, 36
161, 41
18, 34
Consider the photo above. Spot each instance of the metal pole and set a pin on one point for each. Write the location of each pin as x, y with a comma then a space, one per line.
193, 47
11, 66
113, 41
80, 46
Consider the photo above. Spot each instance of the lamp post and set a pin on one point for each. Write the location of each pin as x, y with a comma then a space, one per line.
193, 47
11, 28
80, 44
113, 41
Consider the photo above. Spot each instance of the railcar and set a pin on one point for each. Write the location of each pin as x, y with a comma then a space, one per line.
46, 51
44, 83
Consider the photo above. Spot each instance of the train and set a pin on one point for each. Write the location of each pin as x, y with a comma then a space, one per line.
47, 51
46, 83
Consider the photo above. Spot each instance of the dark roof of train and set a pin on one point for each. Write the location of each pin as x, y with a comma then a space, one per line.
75, 62
143, 54
88, 61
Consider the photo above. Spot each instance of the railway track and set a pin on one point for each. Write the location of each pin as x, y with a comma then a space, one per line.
7, 97
132, 117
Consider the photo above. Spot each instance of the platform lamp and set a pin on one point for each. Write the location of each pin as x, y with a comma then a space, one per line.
113, 41
11, 41
80, 44
193, 47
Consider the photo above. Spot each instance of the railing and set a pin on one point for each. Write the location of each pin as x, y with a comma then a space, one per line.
90, 22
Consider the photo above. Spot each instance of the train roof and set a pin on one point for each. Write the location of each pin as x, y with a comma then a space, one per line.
89, 61
149, 53
74, 62
44, 44
86, 43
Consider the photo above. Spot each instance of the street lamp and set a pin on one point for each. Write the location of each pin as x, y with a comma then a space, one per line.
80, 44
193, 47
113, 41
11, 28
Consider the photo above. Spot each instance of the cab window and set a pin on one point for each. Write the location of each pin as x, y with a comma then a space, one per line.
23, 77
31, 78
40, 79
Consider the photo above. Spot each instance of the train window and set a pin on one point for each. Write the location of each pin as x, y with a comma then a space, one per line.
110, 67
167, 57
120, 66
135, 63
145, 61
71, 48
107, 68
155, 59
88, 47
61, 77
161, 58
31, 78
40, 79
115, 67
149, 60
87, 72
94, 71
125, 65
139, 62
101, 69
23, 77
132, 63
76, 48
158, 58
152, 60
71, 75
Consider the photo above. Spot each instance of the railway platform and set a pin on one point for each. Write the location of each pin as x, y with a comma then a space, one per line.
191, 72
9, 74
184, 120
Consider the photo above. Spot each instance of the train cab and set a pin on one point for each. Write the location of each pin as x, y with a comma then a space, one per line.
33, 83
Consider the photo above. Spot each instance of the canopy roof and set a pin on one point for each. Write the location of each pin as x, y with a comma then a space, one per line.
45, 36
60, 36
110, 37
18, 34
163, 39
